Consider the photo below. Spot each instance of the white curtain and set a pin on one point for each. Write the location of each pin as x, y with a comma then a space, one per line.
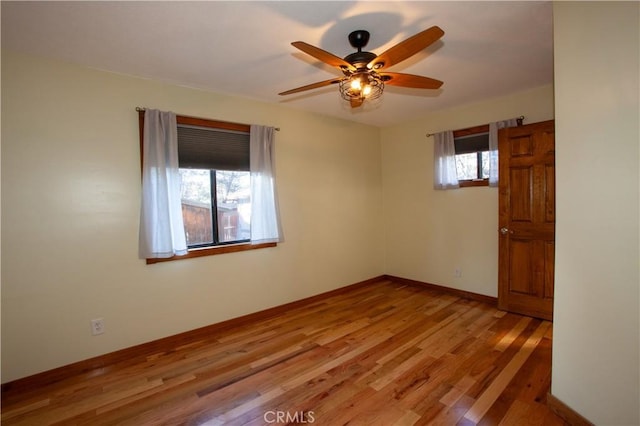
444, 156
161, 224
265, 217
493, 147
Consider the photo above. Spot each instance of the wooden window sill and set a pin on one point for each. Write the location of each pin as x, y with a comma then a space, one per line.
473, 182
211, 251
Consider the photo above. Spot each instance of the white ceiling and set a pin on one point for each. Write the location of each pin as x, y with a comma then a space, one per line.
489, 49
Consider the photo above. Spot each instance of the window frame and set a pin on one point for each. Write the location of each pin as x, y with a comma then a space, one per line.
469, 131
207, 250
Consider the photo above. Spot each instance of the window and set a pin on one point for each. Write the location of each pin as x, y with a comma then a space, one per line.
214, 167
472, 156
216, 192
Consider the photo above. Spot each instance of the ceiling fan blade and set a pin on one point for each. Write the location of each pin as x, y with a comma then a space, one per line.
356, 102
311, 86
410, 80
323, 55
406, 48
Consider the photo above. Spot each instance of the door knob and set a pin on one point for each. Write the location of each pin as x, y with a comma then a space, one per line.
504, 231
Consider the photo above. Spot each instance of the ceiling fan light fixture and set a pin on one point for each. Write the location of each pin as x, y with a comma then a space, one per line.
361, 86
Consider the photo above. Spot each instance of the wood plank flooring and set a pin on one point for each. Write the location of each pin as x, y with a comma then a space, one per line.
384, 354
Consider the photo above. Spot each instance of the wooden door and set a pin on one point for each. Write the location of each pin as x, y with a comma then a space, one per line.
527, 219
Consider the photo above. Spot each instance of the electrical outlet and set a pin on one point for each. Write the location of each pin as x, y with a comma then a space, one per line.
457, 272
97, 326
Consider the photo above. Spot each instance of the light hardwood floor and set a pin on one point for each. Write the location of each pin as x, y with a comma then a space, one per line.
383, 354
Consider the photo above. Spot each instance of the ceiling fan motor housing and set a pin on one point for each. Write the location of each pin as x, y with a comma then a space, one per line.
359, 59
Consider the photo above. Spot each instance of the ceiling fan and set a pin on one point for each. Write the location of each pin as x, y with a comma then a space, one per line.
364, 72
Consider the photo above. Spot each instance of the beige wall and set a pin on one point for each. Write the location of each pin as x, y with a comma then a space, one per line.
70, 208
596, 356
430, 233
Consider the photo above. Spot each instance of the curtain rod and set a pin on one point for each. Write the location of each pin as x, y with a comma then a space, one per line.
517, 118
140, 109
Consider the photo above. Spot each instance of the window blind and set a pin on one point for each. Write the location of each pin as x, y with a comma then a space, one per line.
472, 143
207, 148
